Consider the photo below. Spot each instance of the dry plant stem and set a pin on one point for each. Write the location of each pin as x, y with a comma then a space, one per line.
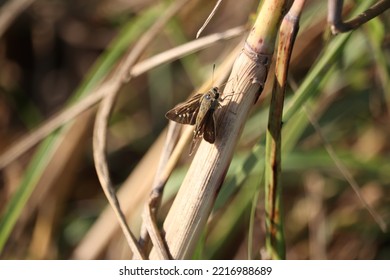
345, 172
27, 142
194, 201
208, 19
99, 147
337, 25
150, 223
163, 174
185, 49
134, 192
168, 159
169, 146
275, 242
170, 156
156, 195
10, 10
101, 123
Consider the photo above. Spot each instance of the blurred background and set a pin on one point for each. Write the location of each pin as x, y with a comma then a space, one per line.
51, 204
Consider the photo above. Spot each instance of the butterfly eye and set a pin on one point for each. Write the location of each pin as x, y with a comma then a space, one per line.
207, 96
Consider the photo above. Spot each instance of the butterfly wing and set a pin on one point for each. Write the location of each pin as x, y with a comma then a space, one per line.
186, 112
209, 127
206, 129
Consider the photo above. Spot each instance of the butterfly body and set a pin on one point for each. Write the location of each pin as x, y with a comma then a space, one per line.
198, 111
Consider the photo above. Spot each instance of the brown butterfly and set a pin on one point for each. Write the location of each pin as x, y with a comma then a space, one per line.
198, 110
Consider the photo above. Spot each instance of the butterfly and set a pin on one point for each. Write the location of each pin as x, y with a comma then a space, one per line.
198, 111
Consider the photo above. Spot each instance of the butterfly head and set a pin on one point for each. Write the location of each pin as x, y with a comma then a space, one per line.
215, 92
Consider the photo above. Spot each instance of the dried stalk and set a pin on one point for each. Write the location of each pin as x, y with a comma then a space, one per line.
194, 201
335, 19
132, 194
208, 18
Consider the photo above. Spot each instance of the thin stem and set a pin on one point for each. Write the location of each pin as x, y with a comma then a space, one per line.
275, 242
335, 9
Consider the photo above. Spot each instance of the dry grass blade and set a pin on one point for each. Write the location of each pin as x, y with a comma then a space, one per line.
100, 129
27, 142
185, 49
134, 191
208, 18
99, 144
170, 156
